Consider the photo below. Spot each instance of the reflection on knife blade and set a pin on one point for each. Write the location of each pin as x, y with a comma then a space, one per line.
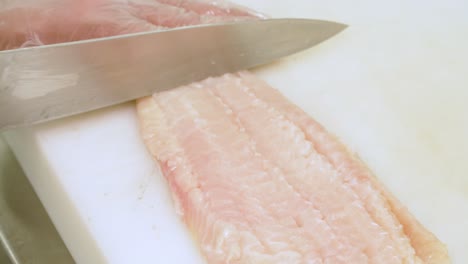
87, 75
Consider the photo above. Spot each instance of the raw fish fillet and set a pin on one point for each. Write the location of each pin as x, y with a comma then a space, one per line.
25, 23
255, 179
258, 181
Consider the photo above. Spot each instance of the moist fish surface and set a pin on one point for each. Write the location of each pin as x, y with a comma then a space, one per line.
34, 23
255, 178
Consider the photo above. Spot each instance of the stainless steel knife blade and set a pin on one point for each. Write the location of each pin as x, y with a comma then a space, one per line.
48, 82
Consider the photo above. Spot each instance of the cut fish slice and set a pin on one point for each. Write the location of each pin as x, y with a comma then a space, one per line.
259, 181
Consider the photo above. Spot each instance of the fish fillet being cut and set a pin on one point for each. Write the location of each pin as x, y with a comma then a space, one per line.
259, 181
255, 179
39, 22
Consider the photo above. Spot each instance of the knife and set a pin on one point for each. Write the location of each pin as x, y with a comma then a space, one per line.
39, 84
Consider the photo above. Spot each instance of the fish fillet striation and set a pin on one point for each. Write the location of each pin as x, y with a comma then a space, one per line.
258, 181
34, 23
255, 178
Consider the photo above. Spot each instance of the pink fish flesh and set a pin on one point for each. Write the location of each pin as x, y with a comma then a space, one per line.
258, 181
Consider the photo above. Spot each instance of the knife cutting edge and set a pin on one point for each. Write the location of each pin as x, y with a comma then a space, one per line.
48, 82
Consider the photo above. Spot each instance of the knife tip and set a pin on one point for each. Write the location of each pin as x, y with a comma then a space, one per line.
341, 26
321, 30
336, 27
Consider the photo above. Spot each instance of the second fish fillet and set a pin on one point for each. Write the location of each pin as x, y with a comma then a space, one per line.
259, 181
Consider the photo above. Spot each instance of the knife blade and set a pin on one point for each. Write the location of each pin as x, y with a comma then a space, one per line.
39, 84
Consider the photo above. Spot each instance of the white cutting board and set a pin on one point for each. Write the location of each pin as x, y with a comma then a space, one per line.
393, 87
